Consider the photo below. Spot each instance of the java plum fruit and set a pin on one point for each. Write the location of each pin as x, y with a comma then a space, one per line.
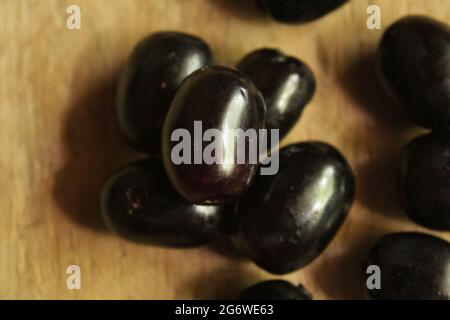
155, 70
286, 83
220, 99
299, 11
414, 65
285, 221
139, 204
275, 290
412, 266
425, 181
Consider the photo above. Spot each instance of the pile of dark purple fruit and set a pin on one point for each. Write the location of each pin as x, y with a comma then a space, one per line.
282, 222
413, 64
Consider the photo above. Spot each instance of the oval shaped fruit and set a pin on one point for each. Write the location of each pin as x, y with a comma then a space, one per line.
412, 266
139, 204
212, 100
414, 65
299, 11
286, 83
154, 71
275, 290
285, 221
425, 181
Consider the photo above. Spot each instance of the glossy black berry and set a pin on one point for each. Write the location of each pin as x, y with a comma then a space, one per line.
275, 290
139, 204
285, 221
414, 65
412, 266
299, 11
154, 72
216, 98
286, 83
425, 180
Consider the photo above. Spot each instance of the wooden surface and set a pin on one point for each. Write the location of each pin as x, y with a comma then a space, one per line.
59, 142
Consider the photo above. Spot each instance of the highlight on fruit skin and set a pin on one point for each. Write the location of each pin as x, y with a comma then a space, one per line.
299, 11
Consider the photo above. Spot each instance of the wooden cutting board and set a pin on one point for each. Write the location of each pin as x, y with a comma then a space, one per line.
59, 142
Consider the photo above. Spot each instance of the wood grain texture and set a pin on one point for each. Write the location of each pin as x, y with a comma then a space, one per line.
59, 142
